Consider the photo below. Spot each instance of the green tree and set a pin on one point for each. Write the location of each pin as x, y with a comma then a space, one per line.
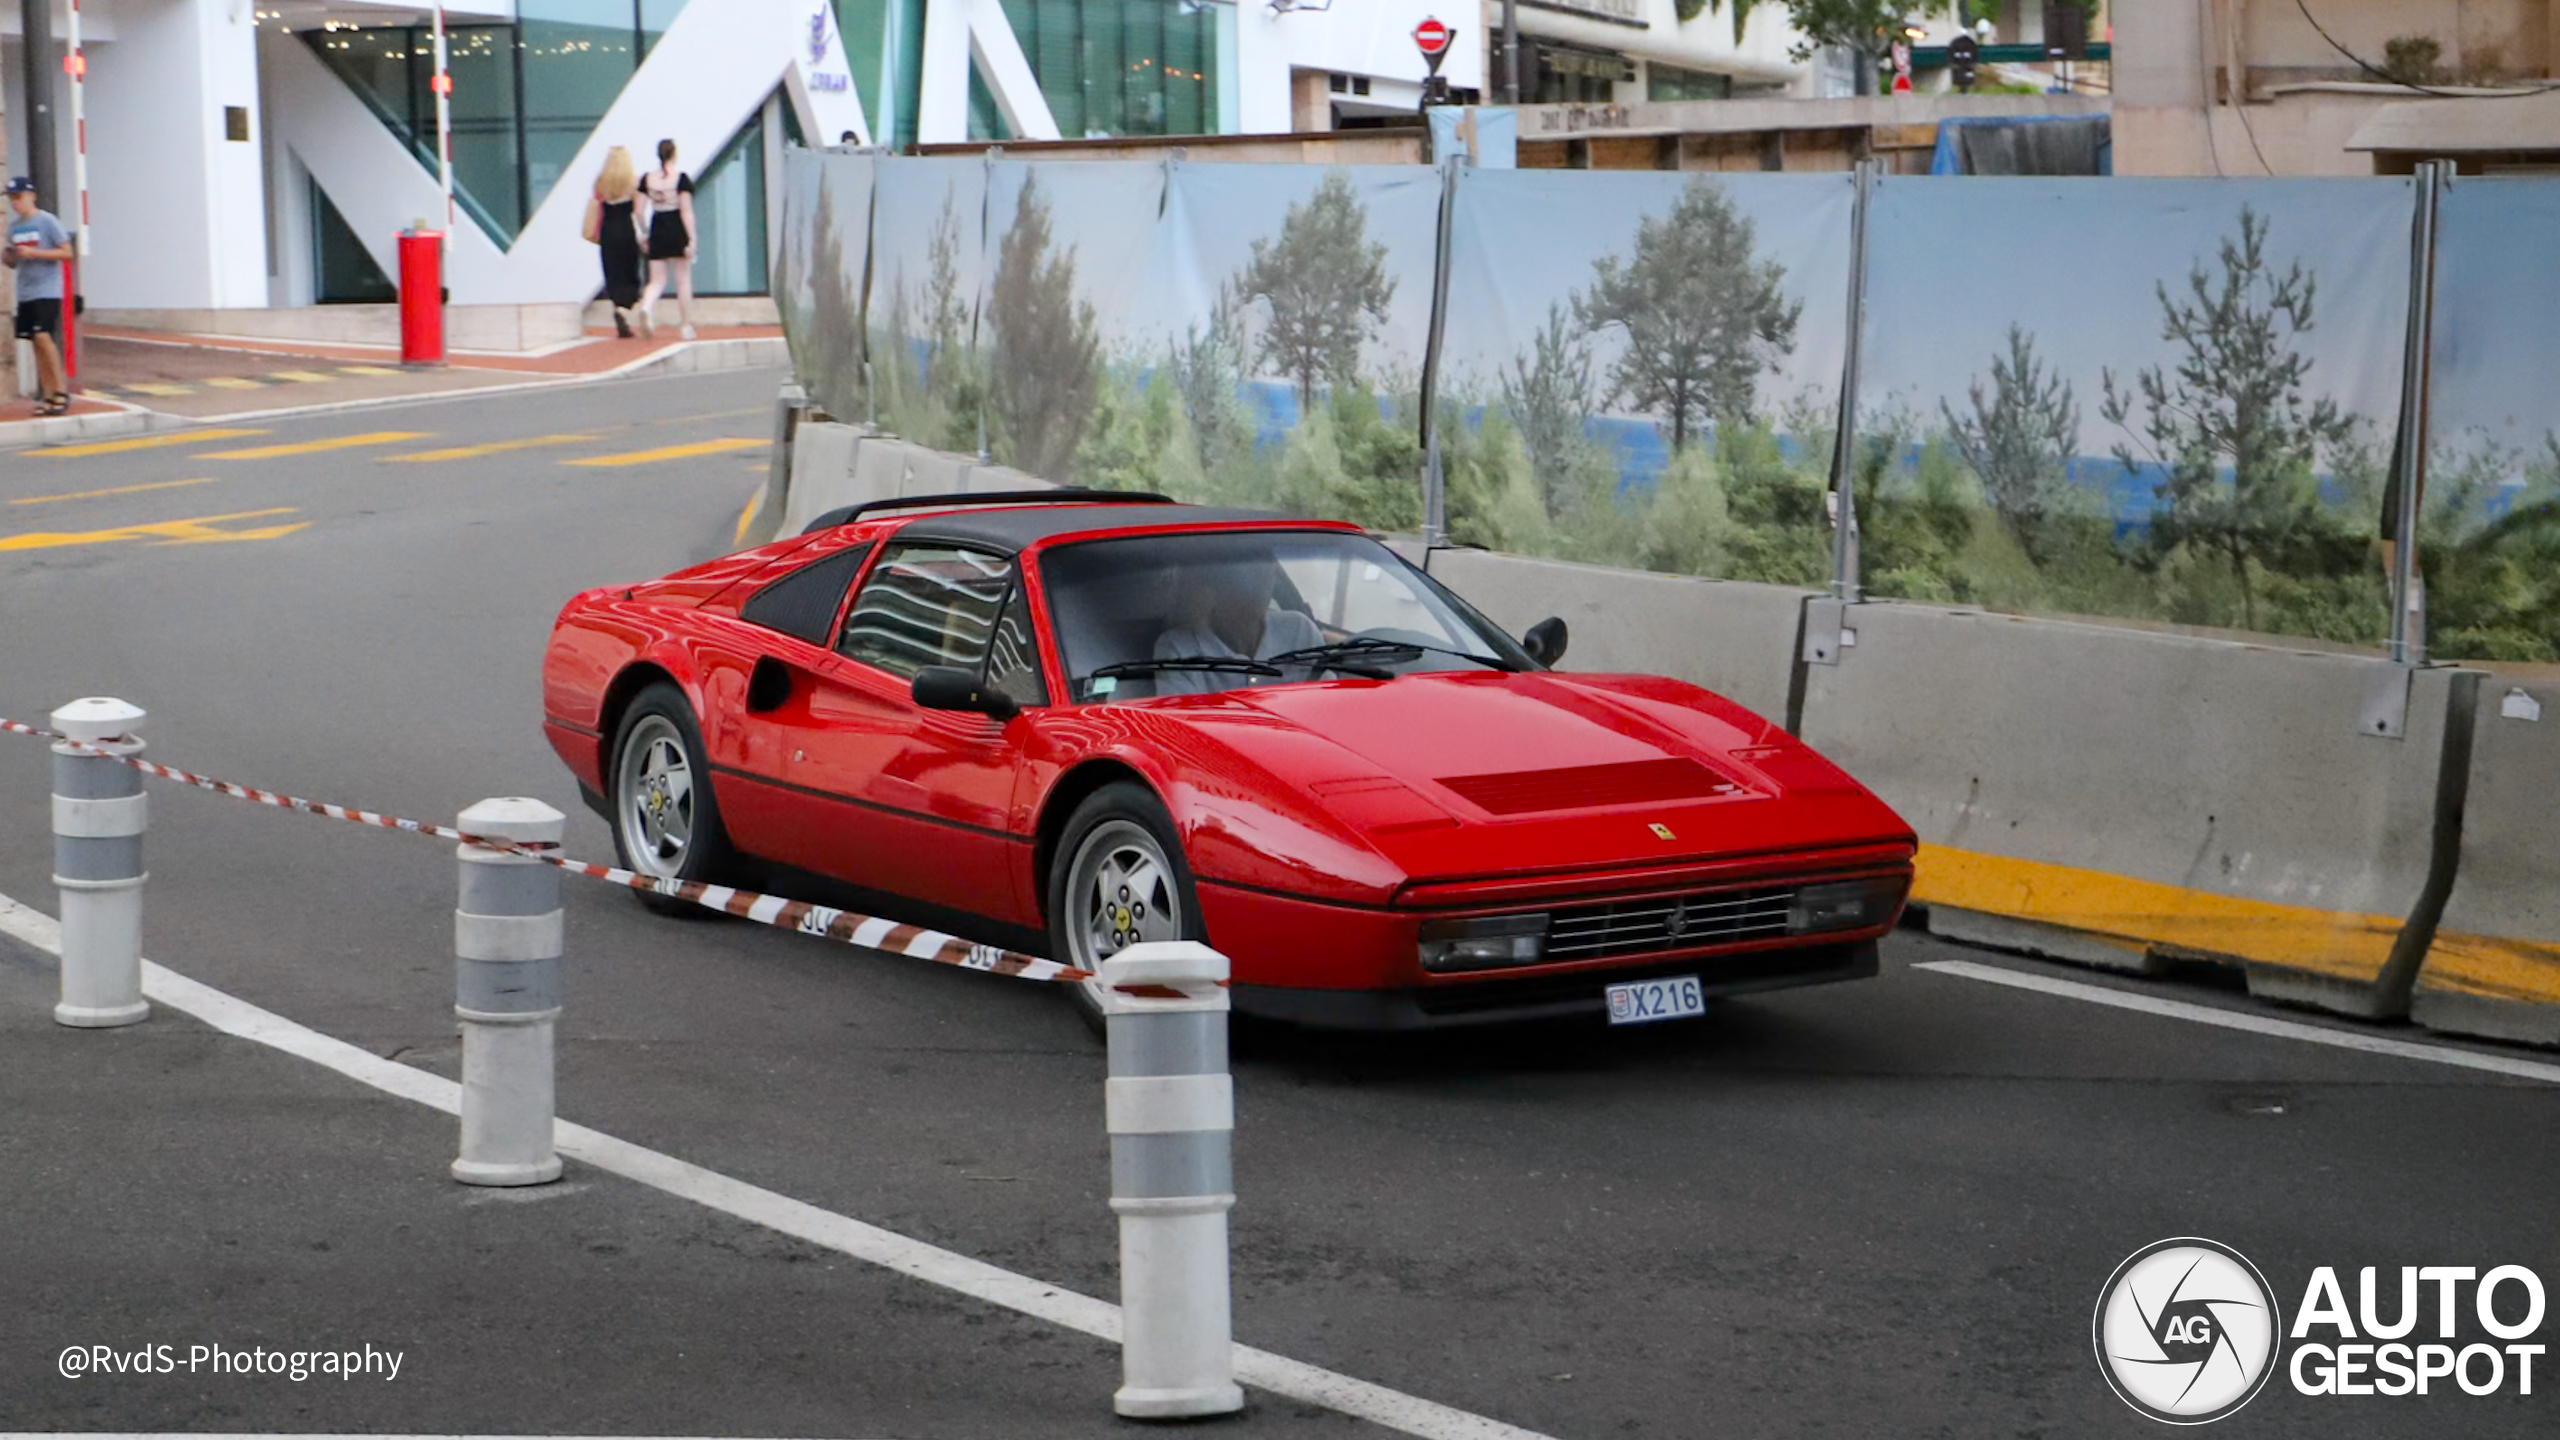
1547, 394
1864, 27
1047, 359
1702, 314
2234, 402
2019, 440
1327, 286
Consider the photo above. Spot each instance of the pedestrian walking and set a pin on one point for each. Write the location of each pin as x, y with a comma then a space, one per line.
37, 247
613, 227
670, 193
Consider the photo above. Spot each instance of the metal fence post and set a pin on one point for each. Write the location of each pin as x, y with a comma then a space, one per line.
99, 811
506, 945
2409, 475
1170, 1108
1844, 465
1435, 480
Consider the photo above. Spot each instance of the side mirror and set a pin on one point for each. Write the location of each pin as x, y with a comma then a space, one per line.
947, 687
768, 686
1545, 641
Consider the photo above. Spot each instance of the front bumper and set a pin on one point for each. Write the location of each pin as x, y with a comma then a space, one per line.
1551, 997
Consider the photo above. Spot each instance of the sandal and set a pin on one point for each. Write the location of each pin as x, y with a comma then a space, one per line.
54, 405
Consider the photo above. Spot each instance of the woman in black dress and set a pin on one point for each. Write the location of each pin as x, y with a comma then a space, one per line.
670, 193
613, 225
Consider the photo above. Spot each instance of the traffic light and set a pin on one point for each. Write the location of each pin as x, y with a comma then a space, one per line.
1962, 53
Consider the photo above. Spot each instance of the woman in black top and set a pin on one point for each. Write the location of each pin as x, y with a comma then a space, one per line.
670, 193
613, 225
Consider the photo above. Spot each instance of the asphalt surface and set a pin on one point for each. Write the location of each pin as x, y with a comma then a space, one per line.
1877, 1209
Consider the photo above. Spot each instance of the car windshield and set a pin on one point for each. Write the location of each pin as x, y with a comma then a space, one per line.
1218, 610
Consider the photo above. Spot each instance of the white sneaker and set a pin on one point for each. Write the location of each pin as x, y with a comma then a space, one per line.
686, 332
648, 326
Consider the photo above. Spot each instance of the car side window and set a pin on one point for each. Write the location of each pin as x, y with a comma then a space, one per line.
926, 605
1013, 661
803, 604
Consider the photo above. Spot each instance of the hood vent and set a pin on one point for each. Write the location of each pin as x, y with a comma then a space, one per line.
1587, 787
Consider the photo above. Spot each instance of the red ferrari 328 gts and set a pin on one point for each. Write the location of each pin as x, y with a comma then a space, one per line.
1082, 720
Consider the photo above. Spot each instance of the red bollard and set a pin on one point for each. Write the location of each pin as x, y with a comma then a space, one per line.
421, 297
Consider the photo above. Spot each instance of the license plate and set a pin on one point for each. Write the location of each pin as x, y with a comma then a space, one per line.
1639, 1002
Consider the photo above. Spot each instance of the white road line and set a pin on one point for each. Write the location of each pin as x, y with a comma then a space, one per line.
974, 1278
2254, 1024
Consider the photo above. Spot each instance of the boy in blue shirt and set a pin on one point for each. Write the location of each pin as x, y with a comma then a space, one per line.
37, 247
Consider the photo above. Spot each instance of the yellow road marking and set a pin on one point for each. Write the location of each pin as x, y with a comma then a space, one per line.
118, 490
304, 377
235, 382
746, 518
146, 442
366, 370
167, 532
669, 452
494, 447
313, 447
2343, 944
150, 387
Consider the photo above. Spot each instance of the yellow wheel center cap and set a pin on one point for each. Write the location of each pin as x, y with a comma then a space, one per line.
1121, 917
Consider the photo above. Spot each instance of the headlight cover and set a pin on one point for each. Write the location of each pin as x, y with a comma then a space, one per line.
1484, 942
1843, 905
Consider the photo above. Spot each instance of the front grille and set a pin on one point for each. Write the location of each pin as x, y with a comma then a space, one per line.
1668, 922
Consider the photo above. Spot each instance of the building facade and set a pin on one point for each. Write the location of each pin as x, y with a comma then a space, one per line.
245, 153
2290, 87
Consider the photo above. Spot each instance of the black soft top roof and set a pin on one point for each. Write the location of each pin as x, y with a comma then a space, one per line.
1014, 529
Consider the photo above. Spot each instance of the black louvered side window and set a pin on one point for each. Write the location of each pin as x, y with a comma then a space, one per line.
803, 603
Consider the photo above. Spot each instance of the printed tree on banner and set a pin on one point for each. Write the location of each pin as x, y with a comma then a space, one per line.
2019, 439
1702, 315
1548, 396
946, 314
1327, 286
833, 325
1047, 363
2233, 403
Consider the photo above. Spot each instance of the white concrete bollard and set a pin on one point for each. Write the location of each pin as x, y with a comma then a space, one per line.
506, 945
99, 812
1170, 1108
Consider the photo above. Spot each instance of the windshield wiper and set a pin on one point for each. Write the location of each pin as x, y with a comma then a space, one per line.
1374, 645
1225, 663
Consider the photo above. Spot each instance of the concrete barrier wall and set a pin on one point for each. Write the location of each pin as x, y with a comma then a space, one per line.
1735, 638
2494, 968
2125, 798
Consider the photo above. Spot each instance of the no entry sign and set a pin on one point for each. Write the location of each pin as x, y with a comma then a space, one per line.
1432, 38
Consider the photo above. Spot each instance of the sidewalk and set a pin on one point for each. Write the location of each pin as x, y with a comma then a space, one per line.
133, 380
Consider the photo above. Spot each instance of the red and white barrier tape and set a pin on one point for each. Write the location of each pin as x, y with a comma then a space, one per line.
871, 932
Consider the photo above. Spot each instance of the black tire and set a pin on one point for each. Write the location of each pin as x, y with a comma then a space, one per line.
655, 740
1124, 820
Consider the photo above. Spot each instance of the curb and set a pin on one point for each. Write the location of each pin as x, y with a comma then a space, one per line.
688, 357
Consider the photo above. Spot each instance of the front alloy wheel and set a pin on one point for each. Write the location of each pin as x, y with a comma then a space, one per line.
655, 809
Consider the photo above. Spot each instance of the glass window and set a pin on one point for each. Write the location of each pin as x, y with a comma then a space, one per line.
1670, 82
577, 55
1122, 67
926, 605
803, 603
482, 62
728, 217
347, 274
1013, 662
1145, 612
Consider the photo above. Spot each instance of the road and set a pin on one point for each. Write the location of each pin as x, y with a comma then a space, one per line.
1877, 1209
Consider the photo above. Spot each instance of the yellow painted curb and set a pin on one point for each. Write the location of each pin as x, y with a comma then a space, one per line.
746, 518
2493, 967
2334, 943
